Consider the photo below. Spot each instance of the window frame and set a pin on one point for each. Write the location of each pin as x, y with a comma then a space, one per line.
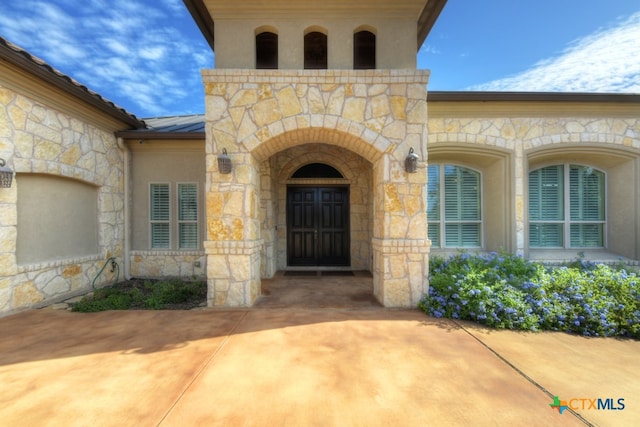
175, 220
442, 220
180, 221
153, 221
567, 222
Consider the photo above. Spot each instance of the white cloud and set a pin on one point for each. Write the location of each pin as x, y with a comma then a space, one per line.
133, 52
606, 61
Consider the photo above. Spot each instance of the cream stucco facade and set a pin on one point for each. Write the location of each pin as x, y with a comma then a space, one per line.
94, 185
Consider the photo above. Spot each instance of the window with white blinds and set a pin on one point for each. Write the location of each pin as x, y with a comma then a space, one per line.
561, 219
160, 216
454, 206
165, 226
188, 216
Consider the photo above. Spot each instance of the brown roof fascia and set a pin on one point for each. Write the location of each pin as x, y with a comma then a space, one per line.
19, 57
428, 18
203, 19
144, 135
446, 96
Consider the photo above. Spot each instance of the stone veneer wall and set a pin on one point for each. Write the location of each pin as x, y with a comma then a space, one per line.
256, 114
155, 264
35, 138
606, 136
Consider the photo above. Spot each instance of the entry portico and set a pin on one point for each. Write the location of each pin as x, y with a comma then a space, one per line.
273, 122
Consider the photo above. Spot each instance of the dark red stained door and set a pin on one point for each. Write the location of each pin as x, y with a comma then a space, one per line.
318, 226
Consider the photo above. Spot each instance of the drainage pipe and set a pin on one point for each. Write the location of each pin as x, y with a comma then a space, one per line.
126, 261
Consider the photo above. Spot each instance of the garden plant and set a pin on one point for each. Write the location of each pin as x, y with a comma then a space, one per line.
507, 291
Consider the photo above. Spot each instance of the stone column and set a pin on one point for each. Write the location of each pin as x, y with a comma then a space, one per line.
232, 247
400, 244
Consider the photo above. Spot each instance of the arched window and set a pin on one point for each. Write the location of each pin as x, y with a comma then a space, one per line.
364, 50
267, 51
317, 170
454, 207
566, 207
315, 51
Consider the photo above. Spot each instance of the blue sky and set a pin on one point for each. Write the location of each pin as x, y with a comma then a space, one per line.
146, 55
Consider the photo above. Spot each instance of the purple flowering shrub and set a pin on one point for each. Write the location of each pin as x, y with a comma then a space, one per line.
506, 291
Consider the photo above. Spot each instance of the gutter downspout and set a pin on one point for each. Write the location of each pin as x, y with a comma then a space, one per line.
127, 226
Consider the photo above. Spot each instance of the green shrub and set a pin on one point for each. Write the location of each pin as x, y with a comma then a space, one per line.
506, 291
155, 295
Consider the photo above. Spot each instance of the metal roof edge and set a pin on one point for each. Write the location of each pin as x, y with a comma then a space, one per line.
466, 96
146, 135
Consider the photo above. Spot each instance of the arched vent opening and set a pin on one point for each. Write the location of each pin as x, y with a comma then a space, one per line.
317, 170
267, 51
315, 51
364, 50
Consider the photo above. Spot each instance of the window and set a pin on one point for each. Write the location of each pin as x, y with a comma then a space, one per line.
160, 216
188, 216
315, 51
560, 218
454, 206
267, 51
364, 50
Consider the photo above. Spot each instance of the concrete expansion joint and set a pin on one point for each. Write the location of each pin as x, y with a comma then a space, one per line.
204, 366
520, 372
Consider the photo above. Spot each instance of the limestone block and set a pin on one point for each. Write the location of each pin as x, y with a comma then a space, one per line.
244, 97
397, 266
288, 101
397, 293
8, 263
217, 267
235, 296
71, 271
56, 286
354, 109
380, 106
266, 112
392, 202
25, 295
336, 102
398, 227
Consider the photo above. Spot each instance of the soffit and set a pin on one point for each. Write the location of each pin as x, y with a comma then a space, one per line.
204, 12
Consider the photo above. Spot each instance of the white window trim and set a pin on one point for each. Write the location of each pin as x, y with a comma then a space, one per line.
566, 200
152, 221
442, 222
198, 216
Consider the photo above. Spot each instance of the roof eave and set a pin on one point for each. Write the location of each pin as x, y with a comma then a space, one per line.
428, 18
203, 20
45, 72
145, 135
464, 96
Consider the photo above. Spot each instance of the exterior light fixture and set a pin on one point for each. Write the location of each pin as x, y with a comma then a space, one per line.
6, 175
224, 162
411, 162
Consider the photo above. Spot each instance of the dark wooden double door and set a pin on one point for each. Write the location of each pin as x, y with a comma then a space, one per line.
317, 226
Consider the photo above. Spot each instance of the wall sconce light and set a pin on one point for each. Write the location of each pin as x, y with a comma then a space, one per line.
224, 162
411, 162
6, 175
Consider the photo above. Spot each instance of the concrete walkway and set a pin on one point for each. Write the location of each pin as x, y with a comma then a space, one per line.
301, 367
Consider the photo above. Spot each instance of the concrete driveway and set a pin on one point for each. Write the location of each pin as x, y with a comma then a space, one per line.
303, 367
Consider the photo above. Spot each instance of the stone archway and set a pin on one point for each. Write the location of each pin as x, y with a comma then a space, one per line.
255, 116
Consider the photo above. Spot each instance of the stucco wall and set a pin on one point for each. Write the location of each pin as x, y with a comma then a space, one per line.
171, 162
43, 132
529, 135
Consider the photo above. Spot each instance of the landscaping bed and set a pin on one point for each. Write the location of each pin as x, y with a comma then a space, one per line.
506, 291
145, 294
